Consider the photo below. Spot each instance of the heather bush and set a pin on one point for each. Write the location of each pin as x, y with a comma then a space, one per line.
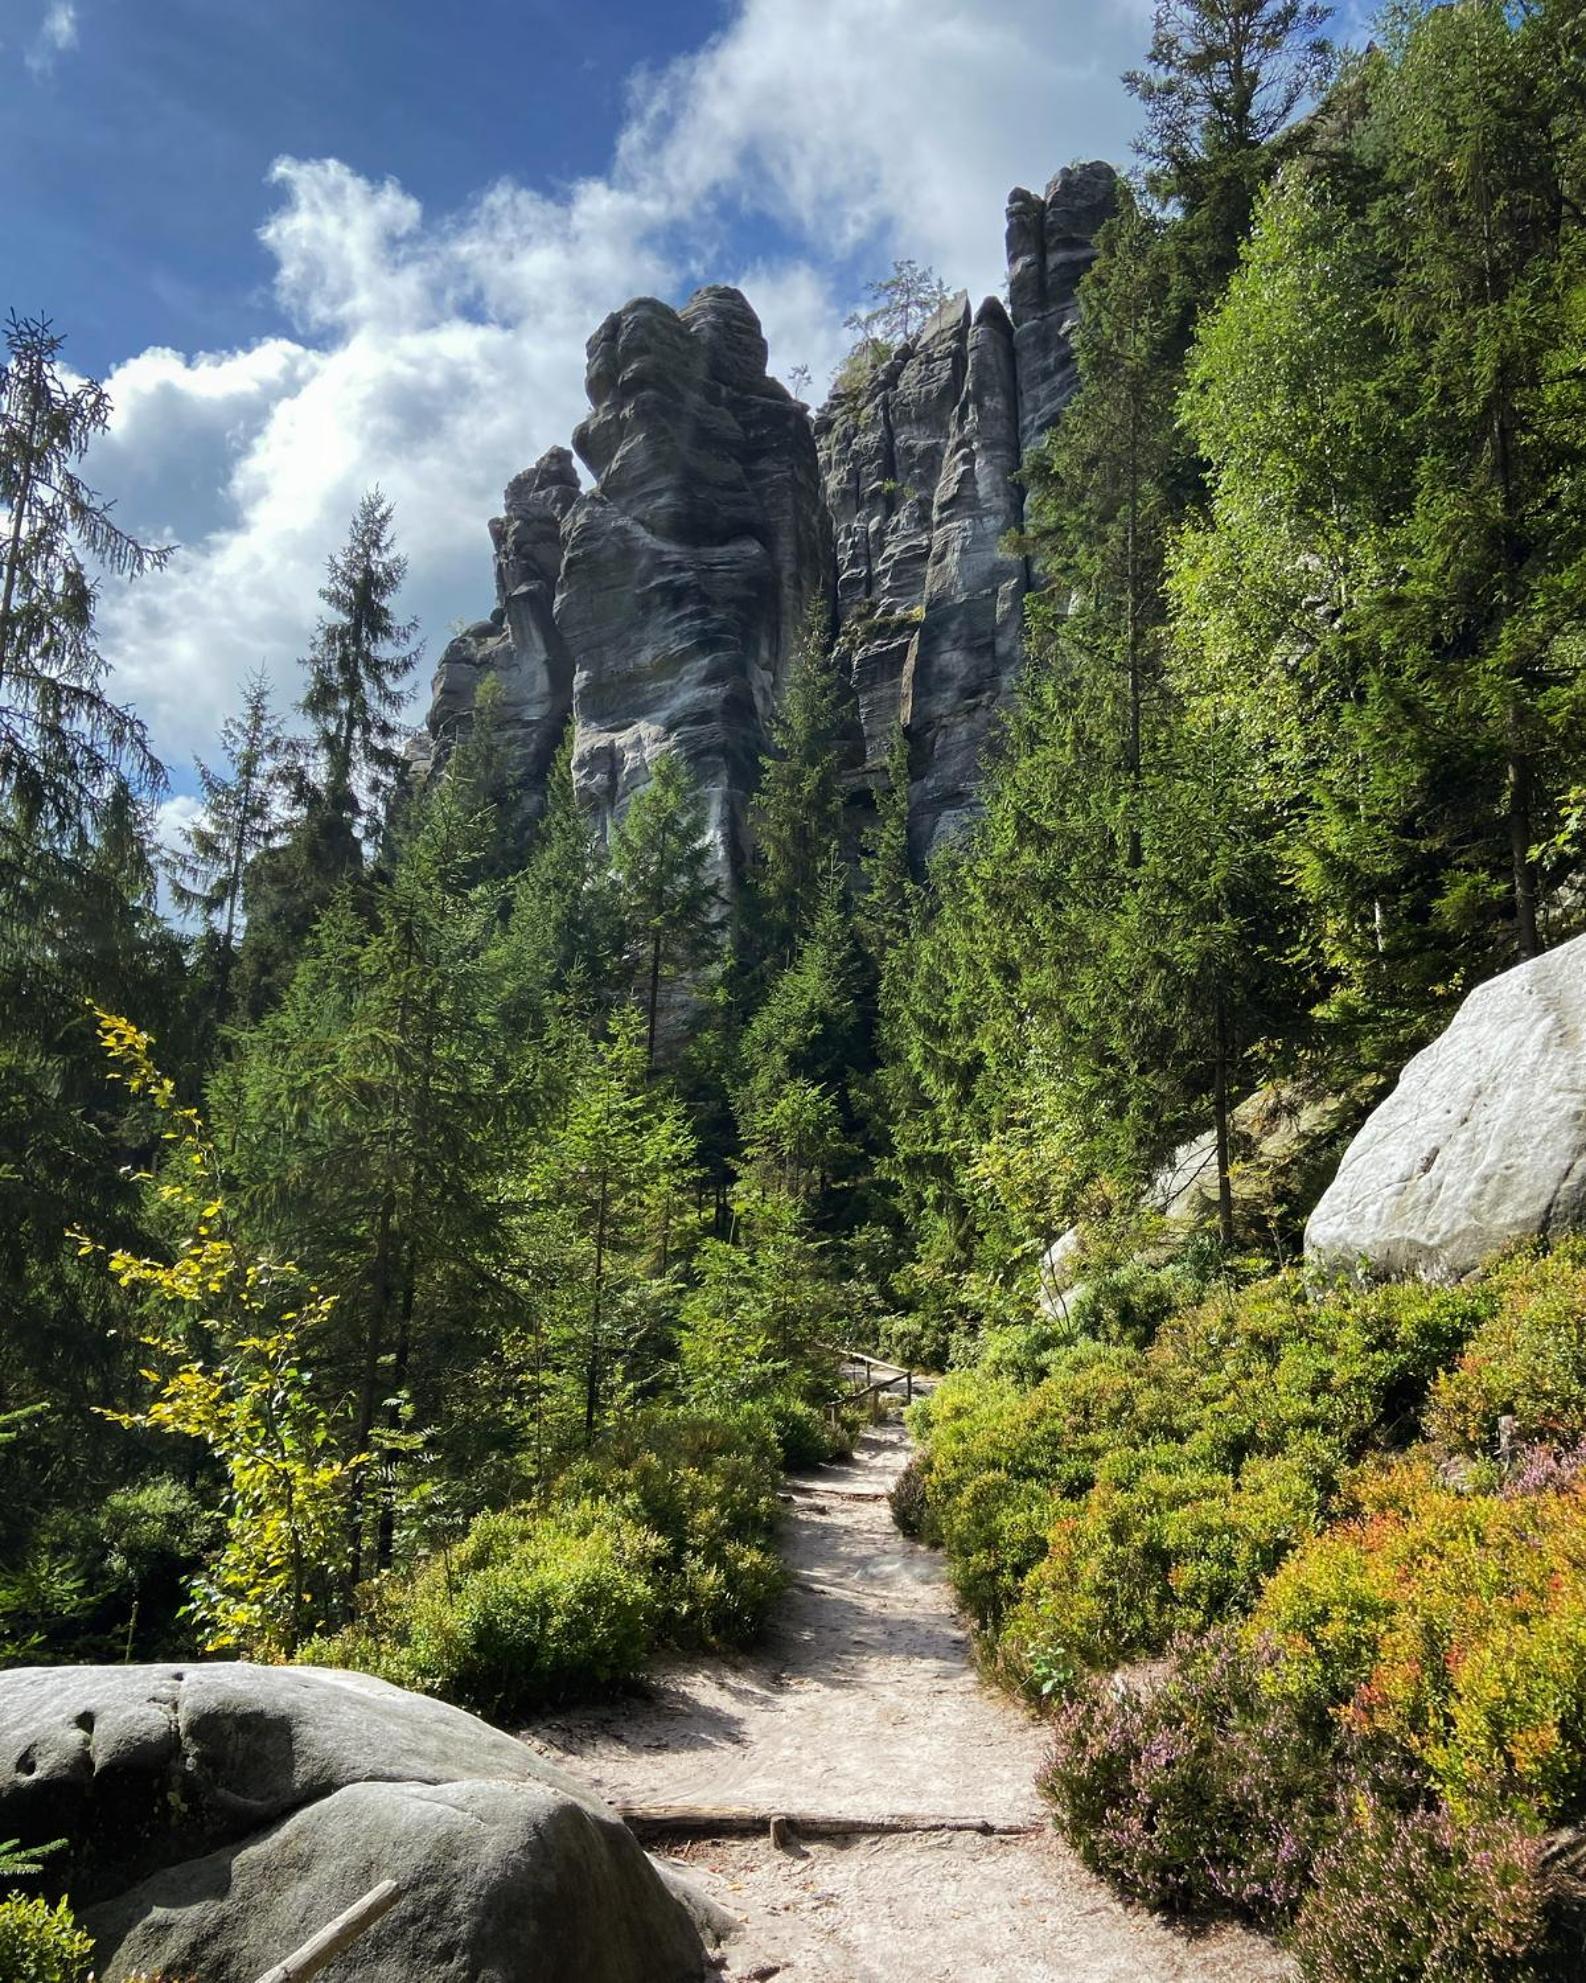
1196, 1791
907, 1498
1409, 1896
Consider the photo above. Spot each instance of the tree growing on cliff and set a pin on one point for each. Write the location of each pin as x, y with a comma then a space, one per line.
669, 906
357, 663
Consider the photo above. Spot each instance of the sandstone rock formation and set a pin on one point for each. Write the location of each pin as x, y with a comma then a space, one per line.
218, 1815
692, 570
721, 520
520, 644
1482, 1142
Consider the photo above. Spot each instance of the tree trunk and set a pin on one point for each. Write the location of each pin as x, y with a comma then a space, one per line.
369, 1386
1220, 1114
1526, 941
593, 1373
655, 999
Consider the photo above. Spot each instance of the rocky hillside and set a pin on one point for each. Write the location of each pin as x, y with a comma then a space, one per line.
660, 607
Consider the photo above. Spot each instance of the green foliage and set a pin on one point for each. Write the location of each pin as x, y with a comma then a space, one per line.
358, 663
40, 1943
661, 1535
233, 1377
1137, 1493
667, 897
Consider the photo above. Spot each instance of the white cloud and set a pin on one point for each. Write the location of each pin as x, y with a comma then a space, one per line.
57, 33
437, 355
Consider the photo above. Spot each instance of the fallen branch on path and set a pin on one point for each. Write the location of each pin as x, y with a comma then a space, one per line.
737, 1820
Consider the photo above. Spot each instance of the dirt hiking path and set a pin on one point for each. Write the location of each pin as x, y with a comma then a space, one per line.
862, 1699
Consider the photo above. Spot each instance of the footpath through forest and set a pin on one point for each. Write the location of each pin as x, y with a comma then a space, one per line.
863, 1699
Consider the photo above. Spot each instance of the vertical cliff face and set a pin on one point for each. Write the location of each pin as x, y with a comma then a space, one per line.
520, 644
690, 570
920, 468
661, 608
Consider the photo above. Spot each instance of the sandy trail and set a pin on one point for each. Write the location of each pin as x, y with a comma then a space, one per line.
863, 1698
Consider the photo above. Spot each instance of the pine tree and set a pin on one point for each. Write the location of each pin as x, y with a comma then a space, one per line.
242, 816
1222, 80
357, 664
667, 902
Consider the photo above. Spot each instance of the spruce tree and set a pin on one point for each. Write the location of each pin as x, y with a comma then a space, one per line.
1221, 81
364, 1118
357, 664
796, 821
242, 815
66, 750
668, 904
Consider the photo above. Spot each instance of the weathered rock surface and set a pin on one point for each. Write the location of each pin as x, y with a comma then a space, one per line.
720, 519
693, 568
219, 1814
520, 644
1051, 245
1482, 1143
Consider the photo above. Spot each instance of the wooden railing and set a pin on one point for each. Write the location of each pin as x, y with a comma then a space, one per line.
873, 1386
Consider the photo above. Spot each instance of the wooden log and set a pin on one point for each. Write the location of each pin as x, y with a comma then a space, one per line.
336, 1936
733, 1820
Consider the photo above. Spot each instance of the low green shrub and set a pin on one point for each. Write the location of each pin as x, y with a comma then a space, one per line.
532, 1606
665, 1533
1453, 1624
1138, 1492
1527, 1362
40, 1943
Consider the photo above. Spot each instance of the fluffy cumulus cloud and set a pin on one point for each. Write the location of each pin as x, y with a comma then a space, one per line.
437, 354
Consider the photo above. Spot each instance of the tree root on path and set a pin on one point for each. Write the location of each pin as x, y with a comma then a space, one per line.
649, 1821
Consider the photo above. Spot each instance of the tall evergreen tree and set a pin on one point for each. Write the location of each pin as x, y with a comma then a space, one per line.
1222, 79
796, 821
242, 815
363, 1118
357, 664
667, 901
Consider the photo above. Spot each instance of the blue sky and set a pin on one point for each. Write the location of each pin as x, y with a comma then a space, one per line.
317, 244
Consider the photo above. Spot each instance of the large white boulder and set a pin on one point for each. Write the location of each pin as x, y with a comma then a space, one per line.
1483, 1141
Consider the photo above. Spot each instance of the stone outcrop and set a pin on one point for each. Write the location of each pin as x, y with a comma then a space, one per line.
1483, 1141
218, 1815
1051, 241
520, 645
691, 571
721, 519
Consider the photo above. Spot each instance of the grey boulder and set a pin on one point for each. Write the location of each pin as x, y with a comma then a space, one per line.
1482, 1143
219, 1814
